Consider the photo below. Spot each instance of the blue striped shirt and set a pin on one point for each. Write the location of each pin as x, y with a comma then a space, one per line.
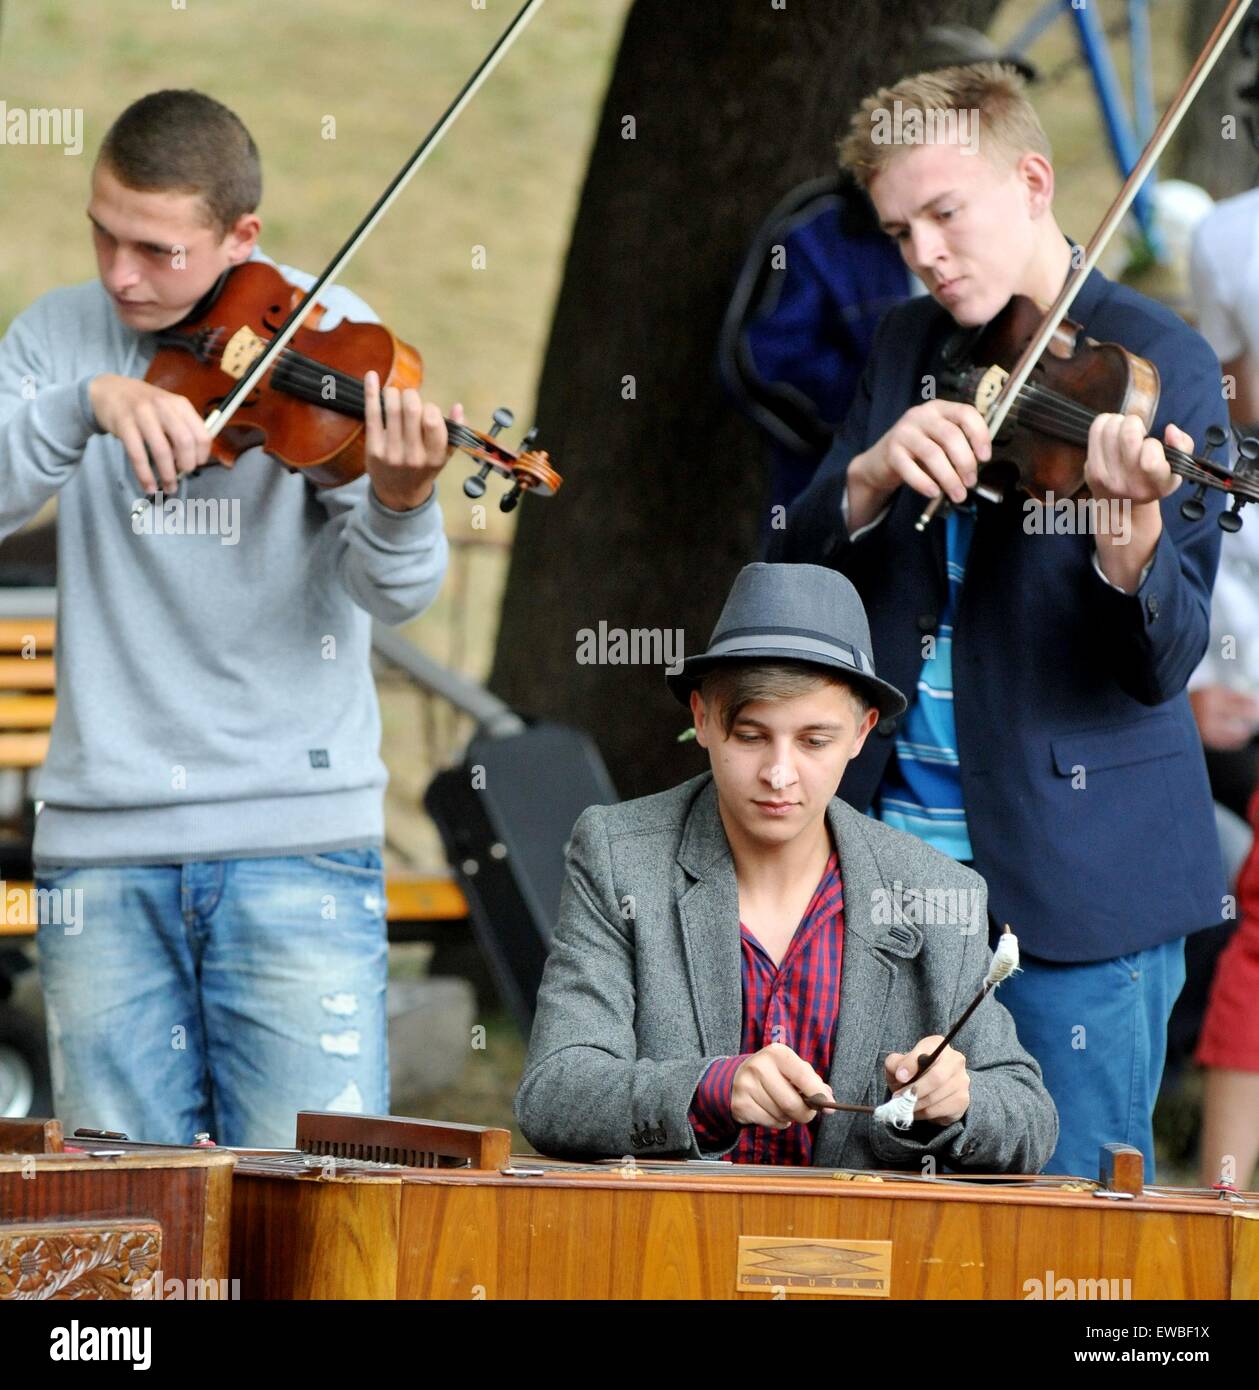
922, 789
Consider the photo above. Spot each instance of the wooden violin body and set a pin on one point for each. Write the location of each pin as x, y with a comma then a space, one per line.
1043, 445
308, 411
308, 408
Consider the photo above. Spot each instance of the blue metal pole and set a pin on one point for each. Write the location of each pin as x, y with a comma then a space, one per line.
1141, 55
1122, 139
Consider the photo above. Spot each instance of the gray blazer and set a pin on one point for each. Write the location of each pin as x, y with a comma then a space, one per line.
643, 988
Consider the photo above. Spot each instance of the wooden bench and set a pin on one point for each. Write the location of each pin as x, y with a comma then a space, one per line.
414, 905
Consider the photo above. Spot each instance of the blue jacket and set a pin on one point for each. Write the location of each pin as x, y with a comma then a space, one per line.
1082, 772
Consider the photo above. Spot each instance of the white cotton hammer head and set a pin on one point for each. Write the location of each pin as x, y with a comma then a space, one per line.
899, 1111
1005, 959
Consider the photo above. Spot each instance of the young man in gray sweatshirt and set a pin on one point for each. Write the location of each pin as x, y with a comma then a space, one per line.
213, 792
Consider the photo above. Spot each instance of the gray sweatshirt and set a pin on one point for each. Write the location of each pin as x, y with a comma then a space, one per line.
214, 693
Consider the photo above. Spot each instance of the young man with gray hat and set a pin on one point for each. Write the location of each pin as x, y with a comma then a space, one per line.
729, 948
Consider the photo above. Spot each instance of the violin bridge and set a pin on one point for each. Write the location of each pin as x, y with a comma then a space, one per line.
242, 350
989, 388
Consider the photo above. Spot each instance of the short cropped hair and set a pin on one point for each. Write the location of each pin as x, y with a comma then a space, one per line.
186, 142
1008, 124
737, 684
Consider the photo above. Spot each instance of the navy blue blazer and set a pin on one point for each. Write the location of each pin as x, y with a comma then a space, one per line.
1082, 771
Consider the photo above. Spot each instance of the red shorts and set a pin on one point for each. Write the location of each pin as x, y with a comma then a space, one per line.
1230, 1031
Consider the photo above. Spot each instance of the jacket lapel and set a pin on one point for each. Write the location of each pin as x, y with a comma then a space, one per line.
866, 979
709, 914
708, 911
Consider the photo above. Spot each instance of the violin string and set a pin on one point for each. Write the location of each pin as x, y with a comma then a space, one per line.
310, 376
1184, 464
306, 377
1070, 421
1050, 408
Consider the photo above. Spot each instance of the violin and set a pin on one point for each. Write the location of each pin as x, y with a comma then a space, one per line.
307, 410
1054, 418
252, 358
1042, 446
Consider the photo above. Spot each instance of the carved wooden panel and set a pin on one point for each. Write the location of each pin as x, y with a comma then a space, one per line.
69, 1260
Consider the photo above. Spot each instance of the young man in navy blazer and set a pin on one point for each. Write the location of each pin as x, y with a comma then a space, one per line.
1049, 741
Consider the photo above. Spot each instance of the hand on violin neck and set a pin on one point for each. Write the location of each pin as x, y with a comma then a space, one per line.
1126, 464
406, 444
934, 447
162, 433
1129, 471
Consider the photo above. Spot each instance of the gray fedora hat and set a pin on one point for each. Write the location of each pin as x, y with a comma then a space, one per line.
793, 613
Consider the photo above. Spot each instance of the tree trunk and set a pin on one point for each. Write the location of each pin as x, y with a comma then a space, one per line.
714, 111
1220, 158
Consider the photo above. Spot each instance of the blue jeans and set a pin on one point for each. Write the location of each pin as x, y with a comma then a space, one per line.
222, 996
1099, 1032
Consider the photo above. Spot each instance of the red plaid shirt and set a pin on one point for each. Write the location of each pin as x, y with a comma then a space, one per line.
796, 1003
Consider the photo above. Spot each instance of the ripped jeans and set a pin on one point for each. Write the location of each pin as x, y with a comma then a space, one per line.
222, 996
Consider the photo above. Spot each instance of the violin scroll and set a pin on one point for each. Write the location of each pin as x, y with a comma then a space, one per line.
1241, 483
528, 468
1194, 508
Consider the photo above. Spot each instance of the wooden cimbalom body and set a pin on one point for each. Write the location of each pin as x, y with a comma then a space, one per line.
389, 1208
121, 1225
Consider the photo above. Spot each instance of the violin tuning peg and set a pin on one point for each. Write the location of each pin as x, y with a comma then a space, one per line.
1194, 508
527, 442
474, 486
1215, 438
504, 419
510, 499
1230, 520
1248, 448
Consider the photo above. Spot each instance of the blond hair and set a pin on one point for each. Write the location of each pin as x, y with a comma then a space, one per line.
1008, 124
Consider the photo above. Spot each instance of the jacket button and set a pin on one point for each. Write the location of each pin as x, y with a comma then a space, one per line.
887, 726
1151, 607
927, 622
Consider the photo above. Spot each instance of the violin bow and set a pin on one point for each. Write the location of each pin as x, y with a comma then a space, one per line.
218, 418
1082, 267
